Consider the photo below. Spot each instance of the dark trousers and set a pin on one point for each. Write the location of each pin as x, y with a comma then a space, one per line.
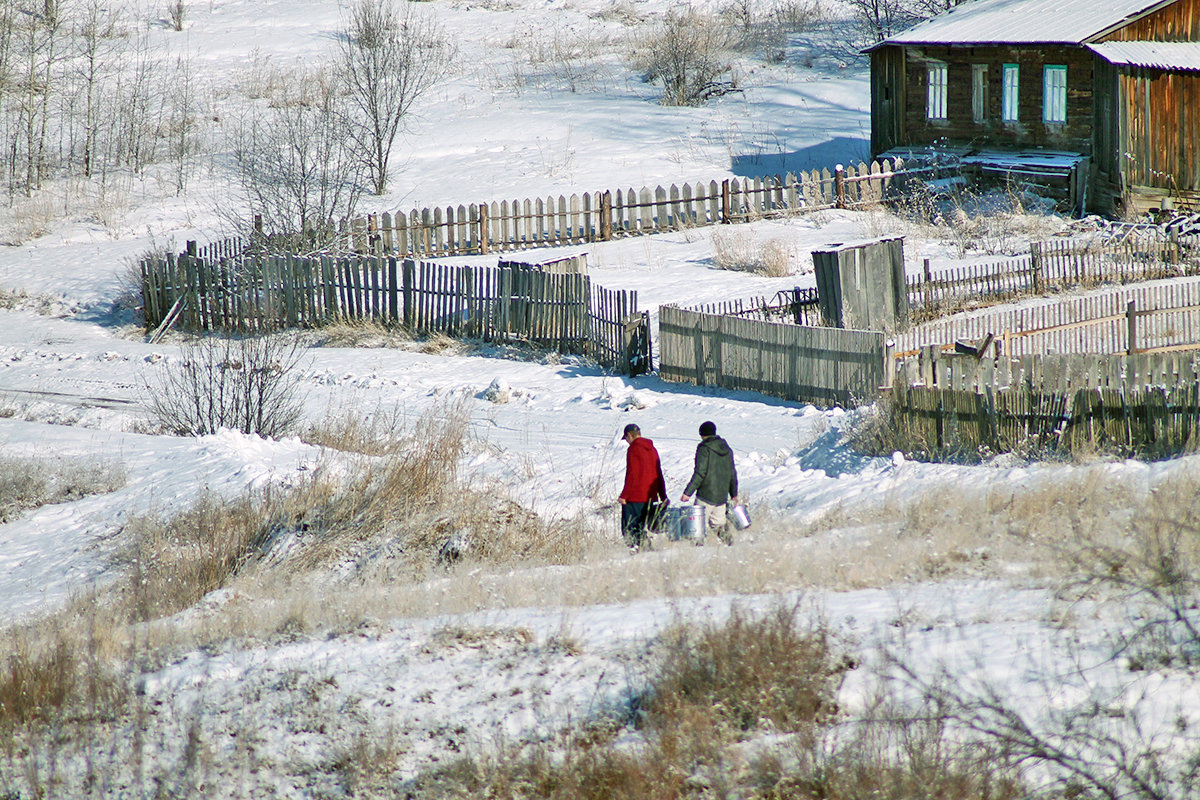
633, 523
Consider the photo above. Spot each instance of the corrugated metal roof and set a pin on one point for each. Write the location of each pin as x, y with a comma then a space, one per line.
1024, 21
1153, 55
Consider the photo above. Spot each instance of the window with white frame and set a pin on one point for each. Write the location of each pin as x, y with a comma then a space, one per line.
935, 108
979, 87
1054, 93
1011, 93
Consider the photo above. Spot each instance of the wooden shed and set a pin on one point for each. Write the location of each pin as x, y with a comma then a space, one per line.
1095, 99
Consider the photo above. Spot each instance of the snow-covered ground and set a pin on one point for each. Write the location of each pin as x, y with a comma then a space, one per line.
829, 521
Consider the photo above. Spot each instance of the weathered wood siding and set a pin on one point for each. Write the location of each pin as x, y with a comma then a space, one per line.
1105, 191
1160, 133
960, 126
1178, 22
888, 98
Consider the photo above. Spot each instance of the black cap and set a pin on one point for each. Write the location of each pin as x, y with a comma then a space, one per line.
631, 428
708, 429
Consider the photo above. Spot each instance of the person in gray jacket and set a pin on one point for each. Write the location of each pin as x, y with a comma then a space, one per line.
714, 481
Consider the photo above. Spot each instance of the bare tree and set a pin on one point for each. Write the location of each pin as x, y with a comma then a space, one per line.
389, 59
182, 120
689, 54
296, 164
34, 53
880, 19
98, 45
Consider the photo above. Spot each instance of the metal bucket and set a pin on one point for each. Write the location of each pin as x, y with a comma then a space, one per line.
740, 517
685, 522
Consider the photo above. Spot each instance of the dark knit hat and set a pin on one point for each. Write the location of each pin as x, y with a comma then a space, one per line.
708, 429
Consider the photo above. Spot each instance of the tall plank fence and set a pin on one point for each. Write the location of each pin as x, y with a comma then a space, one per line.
254, 294
827, 366
1147, 405
481, 228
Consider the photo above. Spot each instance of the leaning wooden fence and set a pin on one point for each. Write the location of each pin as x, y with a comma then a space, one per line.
1146, 405
604, 215
825, 366
253, 294
1052, 266
1157, 317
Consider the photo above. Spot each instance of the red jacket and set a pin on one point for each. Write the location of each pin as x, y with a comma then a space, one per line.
643, 473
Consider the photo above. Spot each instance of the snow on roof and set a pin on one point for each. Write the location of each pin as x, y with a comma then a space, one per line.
1153, 55
1025, 21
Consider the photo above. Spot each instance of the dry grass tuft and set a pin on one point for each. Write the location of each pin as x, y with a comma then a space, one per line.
66, 667
744, 709
173, 563
27, 483
743, 675
741, 252
386, 518
357, 333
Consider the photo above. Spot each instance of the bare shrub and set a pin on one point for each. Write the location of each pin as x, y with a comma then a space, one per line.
1151, 564
764, 28
688, 53
1081, 748
261, 78
246, 384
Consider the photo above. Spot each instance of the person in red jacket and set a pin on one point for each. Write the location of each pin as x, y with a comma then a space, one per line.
643, 483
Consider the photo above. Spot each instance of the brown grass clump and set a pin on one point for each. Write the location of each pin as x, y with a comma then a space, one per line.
392, 508
744, 675
745, 709
63, 668
173, 563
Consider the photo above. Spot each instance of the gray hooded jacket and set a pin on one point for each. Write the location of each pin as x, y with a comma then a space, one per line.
715, 478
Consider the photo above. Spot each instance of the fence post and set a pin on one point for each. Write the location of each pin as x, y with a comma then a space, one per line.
889, 364
927, 287
839, 186
483, 228
606, 226
409, 278
1131, 325
725, 211
1035, 262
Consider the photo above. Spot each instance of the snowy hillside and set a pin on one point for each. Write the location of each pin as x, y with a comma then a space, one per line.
359, 672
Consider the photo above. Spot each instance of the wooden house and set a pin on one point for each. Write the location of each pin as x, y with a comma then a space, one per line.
1099, 98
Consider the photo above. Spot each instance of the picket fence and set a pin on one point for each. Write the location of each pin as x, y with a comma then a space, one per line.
481, 228
1053, 266
255, 294
826, 366
1156, 317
